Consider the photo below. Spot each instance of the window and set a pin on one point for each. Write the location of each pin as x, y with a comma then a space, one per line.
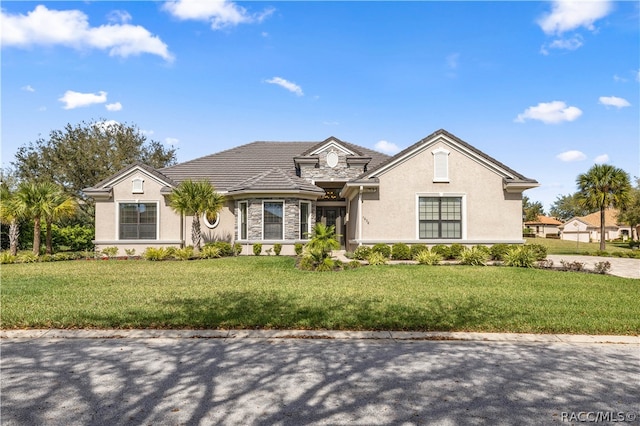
305, 209
138, 221
273, 220
440, 165
440, 217
138, 186
242, 221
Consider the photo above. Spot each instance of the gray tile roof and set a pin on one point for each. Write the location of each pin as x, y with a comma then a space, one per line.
275, 179
100, 186
226, 169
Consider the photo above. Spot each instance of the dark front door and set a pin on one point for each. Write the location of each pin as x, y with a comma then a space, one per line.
333, 216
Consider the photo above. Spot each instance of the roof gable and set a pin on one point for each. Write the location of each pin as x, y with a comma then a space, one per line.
275, 179
331, 143
130, 169
442, 136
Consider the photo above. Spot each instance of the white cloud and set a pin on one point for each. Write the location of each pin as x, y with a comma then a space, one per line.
219, 13
603, 158
28, 88
387, 147
550, 113
119, 16
105, 125
73, 99
71, 28
572, 43
171, 141
290, 86
571, 156
570, 15
116, 106
613, 101
638, 75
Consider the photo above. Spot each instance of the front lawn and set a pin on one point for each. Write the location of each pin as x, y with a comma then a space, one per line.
555, 246
269, 292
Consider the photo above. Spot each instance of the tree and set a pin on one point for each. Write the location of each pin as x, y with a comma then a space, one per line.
531, 210
59, 205
82, 155
195, 199
603, 186
323, 239
32, 201
567, 206
630, 214
9, 212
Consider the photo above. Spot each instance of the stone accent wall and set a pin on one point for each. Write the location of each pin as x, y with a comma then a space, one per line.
341, 172
291, 217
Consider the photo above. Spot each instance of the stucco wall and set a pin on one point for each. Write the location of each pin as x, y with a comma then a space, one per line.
489, 213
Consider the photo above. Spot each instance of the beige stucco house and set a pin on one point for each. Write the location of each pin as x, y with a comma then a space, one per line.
440, 190
544, 225
587, 228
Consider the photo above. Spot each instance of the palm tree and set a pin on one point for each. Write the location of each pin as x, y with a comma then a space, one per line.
59, 205
603, 186
9, 213
194, 199
33, 201
323, 239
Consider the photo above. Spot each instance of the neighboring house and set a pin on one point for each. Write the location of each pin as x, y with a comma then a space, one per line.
440, 190
544, 225
587, 228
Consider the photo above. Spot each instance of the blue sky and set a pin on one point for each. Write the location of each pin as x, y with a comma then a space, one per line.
547, 88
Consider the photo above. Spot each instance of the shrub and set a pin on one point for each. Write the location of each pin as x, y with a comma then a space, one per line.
546, 264
298, 248
383, 249
210, 252
130, 252
327, 264
602, 253
427, 257
277, 248
46, 258
455, 251
539, 251
484, 249
400, 251
307, 263
362, 252
377, 258
520, 257
224, 247
257, 249
237, 249
171, 252
417, 248
475, 256
155, 254
75, 238
354, 264
634, 244
572, 266
7, 258
184, 253
110, 251
602, 267
27, 257
442, 250
498, 251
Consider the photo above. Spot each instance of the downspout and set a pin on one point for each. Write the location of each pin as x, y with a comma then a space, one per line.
360, 216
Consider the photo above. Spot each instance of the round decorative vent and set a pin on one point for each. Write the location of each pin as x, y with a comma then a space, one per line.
332, 159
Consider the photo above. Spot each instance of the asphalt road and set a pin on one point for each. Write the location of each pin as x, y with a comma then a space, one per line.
167, 381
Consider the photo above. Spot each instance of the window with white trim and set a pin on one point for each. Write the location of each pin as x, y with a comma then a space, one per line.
138, 221
242, 220
440, 217
440, 165
272, 220
305, 219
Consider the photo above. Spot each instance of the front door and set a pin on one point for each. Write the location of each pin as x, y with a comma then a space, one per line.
333, 216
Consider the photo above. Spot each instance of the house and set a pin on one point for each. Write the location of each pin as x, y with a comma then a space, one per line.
587, 228
441, 190
544, 225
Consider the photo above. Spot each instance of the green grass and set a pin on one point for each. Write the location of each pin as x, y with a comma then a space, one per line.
268, 292
555, 246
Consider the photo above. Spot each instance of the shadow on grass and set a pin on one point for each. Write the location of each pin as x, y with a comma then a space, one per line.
250, 309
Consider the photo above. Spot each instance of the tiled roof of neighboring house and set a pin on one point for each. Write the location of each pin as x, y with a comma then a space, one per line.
610, 218
544, 220
517, 176
275, 179
226, 169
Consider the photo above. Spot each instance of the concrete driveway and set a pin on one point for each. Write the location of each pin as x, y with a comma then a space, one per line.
621, 267
265, 381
